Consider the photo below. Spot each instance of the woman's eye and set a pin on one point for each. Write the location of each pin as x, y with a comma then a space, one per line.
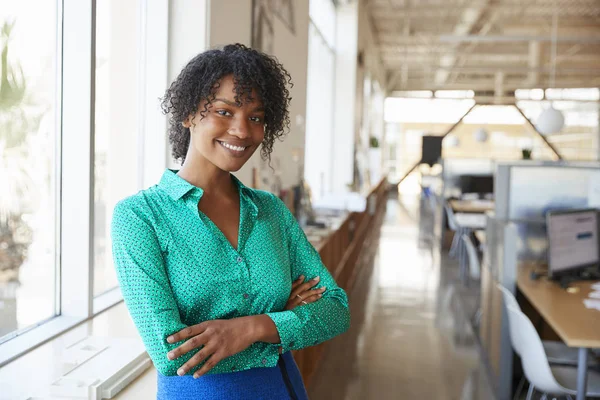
223, 112
256, 119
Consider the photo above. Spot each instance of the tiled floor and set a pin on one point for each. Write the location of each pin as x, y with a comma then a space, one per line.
409, 338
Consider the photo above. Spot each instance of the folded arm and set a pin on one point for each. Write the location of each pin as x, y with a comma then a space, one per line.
314, 323
145, 286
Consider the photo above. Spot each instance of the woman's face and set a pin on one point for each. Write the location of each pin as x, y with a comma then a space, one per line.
229, 134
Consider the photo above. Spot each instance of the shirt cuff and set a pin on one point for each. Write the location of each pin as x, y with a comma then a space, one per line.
289, 328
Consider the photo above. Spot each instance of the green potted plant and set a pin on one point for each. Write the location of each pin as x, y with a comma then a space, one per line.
526, 154
373, 142
18, 119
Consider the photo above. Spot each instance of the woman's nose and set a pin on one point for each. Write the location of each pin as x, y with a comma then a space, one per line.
240, 128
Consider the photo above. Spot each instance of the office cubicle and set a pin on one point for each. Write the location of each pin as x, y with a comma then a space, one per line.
454, 168
499, 266
515, 233
452, 171
525, 191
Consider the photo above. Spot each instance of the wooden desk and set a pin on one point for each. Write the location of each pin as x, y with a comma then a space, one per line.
565, 312
472, 206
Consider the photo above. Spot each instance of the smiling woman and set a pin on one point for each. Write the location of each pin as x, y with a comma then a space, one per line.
219, 279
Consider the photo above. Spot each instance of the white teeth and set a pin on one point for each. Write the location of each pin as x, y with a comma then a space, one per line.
232, 147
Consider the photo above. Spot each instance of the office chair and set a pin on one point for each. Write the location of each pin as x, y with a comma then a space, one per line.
555, 380
458, 232
473, 258
558, 353
474, 273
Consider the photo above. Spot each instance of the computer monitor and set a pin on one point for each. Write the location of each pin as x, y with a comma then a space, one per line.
481, 184
431, 149
572, 241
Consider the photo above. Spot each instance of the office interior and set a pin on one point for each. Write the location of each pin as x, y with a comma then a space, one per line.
442, 157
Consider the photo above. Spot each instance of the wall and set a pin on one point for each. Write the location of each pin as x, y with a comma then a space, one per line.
188, 36
292, 51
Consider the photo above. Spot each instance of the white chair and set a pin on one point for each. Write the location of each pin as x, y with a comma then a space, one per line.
555, 380
474, 273
455, 248
472, 257
557, 352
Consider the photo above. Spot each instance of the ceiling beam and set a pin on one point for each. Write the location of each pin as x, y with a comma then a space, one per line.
476, 59
593, 39
467, 21
535, 54
590, 9
441, 40
519, 70
488, 85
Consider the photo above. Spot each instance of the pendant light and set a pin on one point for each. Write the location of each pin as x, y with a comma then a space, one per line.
480, 135
551, 120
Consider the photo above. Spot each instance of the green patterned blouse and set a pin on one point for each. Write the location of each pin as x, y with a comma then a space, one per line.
177, 269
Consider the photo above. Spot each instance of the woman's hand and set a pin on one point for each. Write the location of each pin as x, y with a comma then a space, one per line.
302, 293
221, 339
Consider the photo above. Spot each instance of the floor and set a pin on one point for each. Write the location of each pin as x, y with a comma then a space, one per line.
409, 338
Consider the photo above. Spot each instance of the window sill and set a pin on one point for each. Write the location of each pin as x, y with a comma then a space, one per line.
33, 338
34, 371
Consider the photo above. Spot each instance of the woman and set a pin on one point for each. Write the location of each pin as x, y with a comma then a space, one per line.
219, 279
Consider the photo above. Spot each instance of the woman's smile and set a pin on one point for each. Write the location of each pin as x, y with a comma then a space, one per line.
233, 149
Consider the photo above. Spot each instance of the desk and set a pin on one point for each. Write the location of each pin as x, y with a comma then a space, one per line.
472, 206
576, 325
470, 220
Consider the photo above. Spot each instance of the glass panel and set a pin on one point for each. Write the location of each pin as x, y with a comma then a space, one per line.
322, 14
531, 195
319, 114
116, 124
28, 142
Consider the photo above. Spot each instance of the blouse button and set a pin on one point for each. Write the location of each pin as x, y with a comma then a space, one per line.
233, 368
264, 361
246, 295
239, 259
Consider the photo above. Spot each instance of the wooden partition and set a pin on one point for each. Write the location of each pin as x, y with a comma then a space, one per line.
340, 253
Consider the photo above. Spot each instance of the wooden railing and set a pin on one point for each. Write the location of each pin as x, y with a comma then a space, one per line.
341, 253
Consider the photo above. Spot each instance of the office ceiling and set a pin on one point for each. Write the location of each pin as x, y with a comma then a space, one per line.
489, 46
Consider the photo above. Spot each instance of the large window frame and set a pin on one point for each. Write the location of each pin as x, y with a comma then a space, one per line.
319, 135
75, 301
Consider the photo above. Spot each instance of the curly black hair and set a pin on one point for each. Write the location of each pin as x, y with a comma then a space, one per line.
200, 79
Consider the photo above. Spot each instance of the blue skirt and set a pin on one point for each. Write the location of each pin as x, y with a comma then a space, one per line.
281, 382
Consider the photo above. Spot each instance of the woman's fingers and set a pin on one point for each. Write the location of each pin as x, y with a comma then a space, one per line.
308, 296
297, 282
304, 287
195, 360
188, 346
314, 296
208, 365
186, 333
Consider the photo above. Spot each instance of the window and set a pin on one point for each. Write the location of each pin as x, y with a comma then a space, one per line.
80, 129
28, 164
578, 139
116, 124
320, 96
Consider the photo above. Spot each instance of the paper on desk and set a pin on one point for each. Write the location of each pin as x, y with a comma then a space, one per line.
595, 295
592, 303
596, 286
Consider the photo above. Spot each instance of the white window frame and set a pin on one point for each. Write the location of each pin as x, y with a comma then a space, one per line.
75, 174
